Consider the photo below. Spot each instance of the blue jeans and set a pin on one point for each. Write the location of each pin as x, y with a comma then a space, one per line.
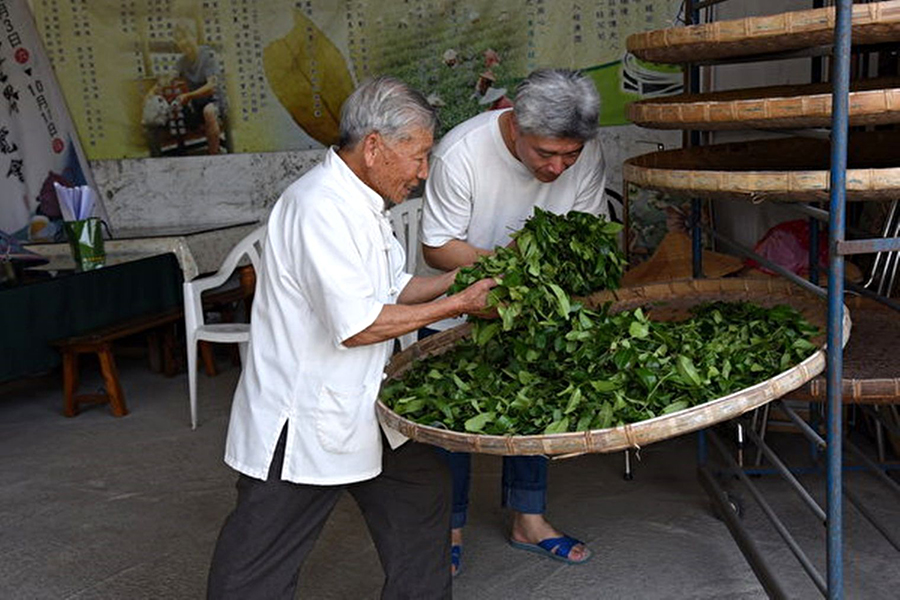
523, 489
524, 484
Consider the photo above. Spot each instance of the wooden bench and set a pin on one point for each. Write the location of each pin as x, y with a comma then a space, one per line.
99, 342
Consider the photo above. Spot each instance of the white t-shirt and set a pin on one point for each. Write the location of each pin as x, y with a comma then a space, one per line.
478, 192
330, 264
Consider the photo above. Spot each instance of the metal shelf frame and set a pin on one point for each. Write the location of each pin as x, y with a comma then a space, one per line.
834, 443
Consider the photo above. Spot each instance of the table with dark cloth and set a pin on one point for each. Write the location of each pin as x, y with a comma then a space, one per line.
34, 313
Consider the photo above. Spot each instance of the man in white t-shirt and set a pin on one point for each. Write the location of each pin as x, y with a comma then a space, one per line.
331, 297
487, 176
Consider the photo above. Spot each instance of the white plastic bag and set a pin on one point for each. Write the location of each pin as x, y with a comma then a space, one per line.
156, 111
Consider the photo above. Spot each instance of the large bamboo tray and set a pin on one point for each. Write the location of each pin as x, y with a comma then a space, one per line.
778, 170
873, 23
871, 370
665, 301
872, 102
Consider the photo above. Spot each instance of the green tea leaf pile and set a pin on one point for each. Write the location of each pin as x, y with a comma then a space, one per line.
550, 365
553, 256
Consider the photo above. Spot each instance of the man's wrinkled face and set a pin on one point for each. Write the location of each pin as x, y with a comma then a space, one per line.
400, 166
547, 157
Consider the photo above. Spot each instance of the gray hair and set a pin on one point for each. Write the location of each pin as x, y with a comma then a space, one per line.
557, 103
386, 105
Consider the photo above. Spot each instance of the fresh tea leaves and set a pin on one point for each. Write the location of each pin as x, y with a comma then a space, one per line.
626, 369
550, 365
553, 257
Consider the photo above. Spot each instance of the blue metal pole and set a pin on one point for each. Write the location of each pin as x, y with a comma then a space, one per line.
696, 206
836, 225
692, 14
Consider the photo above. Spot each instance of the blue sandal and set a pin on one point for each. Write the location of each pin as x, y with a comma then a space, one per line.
456, 558
556, 548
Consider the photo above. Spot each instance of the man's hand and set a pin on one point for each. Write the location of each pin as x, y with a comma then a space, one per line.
397, 319
474, 299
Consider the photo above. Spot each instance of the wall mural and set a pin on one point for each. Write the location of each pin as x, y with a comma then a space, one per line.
176, 77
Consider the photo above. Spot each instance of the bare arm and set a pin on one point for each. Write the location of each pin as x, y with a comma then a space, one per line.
207, 89
426, 289
397, 319
453, 254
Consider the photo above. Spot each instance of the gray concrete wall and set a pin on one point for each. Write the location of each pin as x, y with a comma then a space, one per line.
197, 190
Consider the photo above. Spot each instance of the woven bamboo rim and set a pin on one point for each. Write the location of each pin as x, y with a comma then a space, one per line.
872, 102
873, 23
871, 367
667, 301
787, 169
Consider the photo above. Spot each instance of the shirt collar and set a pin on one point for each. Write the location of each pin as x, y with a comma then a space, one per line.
364, 194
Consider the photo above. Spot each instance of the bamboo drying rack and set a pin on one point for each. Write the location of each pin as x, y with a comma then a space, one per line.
873, 23
872, 102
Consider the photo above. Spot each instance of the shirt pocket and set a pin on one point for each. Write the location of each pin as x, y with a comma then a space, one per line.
345, 418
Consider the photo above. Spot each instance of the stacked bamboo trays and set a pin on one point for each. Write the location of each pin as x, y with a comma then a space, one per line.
871, 102
873, 23
663, 302
871, 371
794, 170
780, 170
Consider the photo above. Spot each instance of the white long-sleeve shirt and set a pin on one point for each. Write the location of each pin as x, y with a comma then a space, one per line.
330, 264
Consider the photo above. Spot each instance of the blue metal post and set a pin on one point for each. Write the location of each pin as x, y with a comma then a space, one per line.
692, 81
696, 206
836, 225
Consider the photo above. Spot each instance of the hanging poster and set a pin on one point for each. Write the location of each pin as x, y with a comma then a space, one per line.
38, 142
173, 77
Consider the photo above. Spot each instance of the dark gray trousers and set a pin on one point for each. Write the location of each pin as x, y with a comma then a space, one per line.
265, 540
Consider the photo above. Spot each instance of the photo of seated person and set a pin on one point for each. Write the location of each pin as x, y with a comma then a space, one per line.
191, 99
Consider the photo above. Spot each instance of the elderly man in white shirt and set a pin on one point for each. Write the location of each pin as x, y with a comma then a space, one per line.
331, 297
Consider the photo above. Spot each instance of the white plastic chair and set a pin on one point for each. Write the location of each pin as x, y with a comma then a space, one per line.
886, 264
405, 220
197, 329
